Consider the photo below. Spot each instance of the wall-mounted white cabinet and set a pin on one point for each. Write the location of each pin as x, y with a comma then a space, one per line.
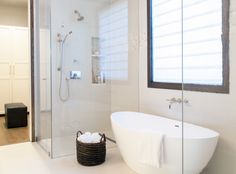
14, 66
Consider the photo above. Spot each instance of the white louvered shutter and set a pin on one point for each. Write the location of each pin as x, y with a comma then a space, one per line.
202, 44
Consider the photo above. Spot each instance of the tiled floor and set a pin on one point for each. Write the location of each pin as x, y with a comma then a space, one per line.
29, 158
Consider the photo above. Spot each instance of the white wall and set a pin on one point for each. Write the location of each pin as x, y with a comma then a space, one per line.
13, 15
215, 111
125, 94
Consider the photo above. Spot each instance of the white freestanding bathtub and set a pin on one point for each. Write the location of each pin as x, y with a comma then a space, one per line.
198, 143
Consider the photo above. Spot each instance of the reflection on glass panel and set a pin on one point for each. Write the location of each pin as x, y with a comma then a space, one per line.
44, 120
76, 49
113, 30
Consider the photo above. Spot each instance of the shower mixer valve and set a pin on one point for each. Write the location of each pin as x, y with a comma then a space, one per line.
75, 75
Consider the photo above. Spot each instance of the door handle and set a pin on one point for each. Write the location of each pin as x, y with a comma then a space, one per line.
13, 70
9, 70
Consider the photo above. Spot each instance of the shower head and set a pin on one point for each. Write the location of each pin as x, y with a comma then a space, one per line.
79, 16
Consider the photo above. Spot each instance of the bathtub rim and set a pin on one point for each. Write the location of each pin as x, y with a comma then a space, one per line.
213, 136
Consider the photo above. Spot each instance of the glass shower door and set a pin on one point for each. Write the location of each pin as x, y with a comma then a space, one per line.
163, 96
209, 90
87, 105
101, 46
43, 107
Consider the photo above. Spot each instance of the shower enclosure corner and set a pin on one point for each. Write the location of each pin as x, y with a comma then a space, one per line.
85, 65
43, 106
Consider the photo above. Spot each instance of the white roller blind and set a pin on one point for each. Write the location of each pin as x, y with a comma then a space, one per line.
202, 44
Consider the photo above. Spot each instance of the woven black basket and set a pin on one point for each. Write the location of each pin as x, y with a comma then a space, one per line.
91, 154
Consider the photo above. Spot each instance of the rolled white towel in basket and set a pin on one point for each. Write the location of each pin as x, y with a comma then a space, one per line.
96, 137
89, 137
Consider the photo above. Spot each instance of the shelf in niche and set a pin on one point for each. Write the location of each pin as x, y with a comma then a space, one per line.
99, 84
98, 77
95, 55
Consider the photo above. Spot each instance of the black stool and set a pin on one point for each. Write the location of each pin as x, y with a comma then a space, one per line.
15, 115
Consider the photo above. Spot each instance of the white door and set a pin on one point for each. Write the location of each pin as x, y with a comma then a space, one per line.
14, 66
5, 67
20, 61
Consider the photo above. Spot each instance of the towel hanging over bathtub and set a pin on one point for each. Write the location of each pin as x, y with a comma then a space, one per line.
151, 149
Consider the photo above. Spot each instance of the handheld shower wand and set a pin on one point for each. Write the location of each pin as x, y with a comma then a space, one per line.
62, 41
66, 36
60, 38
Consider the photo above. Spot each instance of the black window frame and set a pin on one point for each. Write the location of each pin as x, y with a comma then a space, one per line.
224, 88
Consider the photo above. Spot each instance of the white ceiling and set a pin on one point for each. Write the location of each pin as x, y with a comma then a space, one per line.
14, 2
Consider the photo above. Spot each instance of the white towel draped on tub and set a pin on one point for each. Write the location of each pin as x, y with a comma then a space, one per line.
151, 149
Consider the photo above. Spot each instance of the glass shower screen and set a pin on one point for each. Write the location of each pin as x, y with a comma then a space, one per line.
43, 77
92, 67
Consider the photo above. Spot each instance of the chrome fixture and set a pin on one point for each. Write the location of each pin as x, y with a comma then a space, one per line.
79, 16
176, 101
75, 75
186, 101
61, 40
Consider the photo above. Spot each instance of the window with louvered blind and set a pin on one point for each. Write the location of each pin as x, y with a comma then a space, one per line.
188, 44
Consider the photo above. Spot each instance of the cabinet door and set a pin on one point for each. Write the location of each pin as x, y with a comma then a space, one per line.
5, 67
21, 71
5, 83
